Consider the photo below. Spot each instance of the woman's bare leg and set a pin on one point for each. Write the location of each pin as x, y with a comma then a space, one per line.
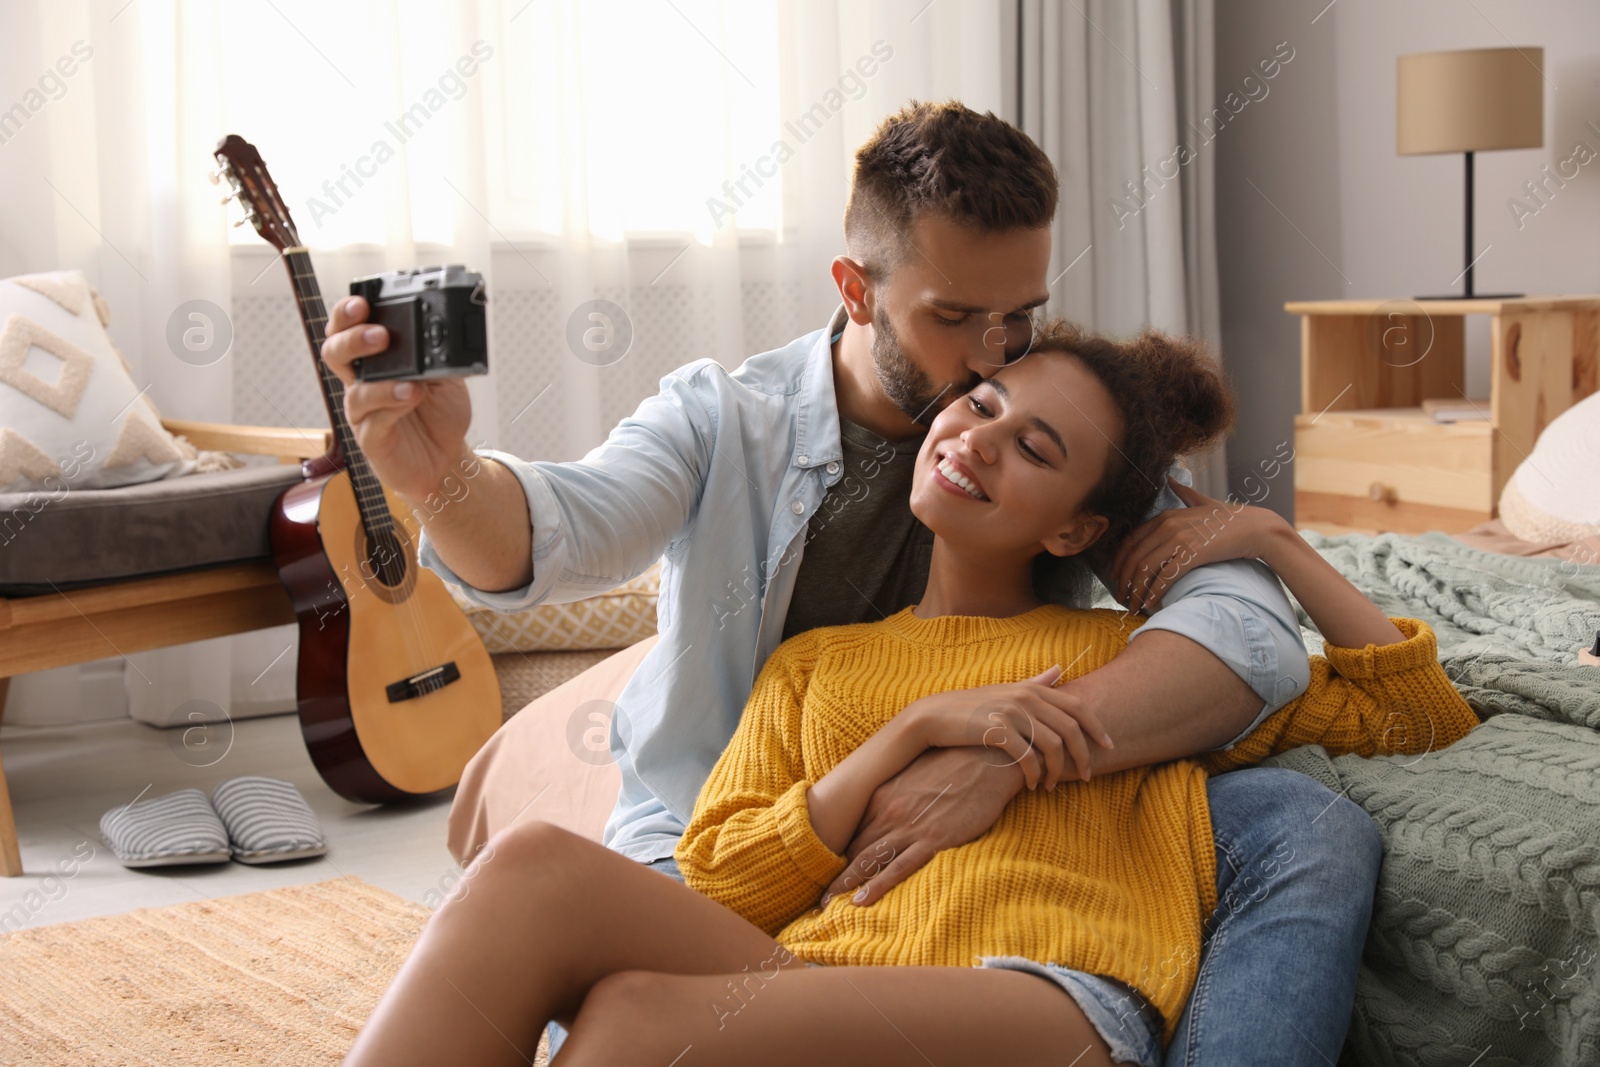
878, 1016
536, 920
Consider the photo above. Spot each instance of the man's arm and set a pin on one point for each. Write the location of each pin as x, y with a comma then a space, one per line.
1220, 656
510, 532
1163, 697
1234, 607
478, 524
608, 515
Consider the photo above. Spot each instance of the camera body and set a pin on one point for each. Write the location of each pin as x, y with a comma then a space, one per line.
436, 323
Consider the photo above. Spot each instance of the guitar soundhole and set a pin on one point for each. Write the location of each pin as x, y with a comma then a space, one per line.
386, 560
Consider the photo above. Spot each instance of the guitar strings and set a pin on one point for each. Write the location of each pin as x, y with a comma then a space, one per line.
371, 503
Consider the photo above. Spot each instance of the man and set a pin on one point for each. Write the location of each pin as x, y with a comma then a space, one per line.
778, 494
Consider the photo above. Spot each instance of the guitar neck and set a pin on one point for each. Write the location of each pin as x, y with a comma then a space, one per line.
345, 454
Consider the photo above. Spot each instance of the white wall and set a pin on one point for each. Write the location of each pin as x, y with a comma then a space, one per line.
1348, 218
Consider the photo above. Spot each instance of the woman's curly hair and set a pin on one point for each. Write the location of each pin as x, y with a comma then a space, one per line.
1171, 399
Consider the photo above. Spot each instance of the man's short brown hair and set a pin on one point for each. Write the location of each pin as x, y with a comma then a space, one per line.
977, 170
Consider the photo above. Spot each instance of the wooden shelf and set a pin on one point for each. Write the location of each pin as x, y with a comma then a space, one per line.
1366, 454
1411, 305
1399, 416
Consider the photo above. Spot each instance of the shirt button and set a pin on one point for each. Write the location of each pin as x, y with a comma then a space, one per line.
802, 459
833, 468
797, 507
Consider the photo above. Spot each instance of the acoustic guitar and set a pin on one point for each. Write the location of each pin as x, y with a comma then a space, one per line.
395, 689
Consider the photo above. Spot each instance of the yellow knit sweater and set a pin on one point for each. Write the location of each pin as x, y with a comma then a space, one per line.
1113, 876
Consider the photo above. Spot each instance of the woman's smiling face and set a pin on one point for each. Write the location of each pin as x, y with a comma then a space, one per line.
1005, 469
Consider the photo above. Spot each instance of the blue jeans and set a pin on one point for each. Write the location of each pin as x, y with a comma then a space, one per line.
1297, 867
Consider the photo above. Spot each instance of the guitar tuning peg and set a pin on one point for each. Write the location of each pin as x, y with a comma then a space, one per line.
239, 222
227, 199
214, 176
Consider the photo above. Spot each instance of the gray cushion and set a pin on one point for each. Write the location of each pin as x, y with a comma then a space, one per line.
88, 536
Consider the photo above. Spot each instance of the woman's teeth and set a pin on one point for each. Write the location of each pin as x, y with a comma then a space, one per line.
947, 469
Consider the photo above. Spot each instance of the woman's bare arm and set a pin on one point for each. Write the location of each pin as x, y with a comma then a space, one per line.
1342, 612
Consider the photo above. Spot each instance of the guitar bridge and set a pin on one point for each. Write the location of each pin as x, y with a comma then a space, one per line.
429, 681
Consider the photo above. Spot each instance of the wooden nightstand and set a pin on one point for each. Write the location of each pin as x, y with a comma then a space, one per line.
1368, 458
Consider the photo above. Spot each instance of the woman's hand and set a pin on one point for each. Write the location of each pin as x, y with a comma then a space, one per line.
1173, 543
1030, 723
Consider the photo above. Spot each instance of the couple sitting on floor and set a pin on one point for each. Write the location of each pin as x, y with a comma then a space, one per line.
1066, 884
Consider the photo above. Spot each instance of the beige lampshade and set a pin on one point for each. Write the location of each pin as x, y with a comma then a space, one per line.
1475, 100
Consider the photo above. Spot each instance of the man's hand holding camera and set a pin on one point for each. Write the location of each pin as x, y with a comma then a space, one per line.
414, 433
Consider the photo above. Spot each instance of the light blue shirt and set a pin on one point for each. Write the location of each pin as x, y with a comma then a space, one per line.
719, 473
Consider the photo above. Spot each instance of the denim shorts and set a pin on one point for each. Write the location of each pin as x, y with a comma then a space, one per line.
1125, 1020
1130, 1027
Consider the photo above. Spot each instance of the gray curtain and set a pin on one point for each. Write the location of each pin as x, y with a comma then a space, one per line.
1118, 92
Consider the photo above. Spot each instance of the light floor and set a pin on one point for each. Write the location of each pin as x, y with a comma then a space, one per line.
64, 778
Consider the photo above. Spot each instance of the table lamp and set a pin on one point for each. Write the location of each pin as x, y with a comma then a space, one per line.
1476, 100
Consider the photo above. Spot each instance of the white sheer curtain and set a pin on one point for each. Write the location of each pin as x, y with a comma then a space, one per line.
568, 150
104, 171
1117, 92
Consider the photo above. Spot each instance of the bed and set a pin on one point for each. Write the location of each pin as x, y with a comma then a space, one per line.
1484, 932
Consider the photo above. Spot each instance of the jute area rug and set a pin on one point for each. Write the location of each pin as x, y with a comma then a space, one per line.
281, 978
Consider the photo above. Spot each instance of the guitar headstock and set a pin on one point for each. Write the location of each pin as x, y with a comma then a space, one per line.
247, 175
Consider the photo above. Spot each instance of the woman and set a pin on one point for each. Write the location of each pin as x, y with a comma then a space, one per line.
1056, 455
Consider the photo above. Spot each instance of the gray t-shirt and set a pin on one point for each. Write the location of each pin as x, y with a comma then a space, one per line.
866, 555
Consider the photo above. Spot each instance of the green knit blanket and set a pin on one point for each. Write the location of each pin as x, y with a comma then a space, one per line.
1486, 926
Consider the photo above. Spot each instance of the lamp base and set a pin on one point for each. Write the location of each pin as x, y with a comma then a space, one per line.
1474, 296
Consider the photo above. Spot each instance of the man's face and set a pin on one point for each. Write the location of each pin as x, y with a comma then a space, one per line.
951, 312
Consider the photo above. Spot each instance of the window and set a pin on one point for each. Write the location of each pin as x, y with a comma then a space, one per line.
629, 114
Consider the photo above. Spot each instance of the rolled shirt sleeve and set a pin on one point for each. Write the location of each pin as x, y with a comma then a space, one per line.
544, 517
601, 520
1236, 610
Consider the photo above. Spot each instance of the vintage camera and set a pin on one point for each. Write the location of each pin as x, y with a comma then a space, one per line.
436, 323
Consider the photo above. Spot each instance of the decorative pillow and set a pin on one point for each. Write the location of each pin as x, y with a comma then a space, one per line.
70, 415
1555, 493
616, 618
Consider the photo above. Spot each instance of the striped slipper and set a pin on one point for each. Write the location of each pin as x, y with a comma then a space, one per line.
267, 820
180, 827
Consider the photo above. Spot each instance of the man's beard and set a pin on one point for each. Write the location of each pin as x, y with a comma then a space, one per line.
907, 385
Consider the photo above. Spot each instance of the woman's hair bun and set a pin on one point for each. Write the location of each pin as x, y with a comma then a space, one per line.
1173, 401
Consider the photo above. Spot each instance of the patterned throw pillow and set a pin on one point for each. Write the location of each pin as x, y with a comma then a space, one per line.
616, 618
70, 415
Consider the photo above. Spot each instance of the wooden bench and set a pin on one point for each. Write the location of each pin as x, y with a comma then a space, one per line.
41, 632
